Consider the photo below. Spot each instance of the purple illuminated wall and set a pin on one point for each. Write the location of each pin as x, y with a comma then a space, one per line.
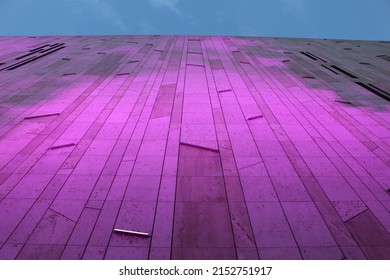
201, 147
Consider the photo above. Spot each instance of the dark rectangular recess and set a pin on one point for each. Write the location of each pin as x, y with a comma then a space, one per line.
375, 90
381, 90
316, 56
385, 57
56, 44
41, 116
224, 90
28, 54
194, 52
255, 117
19, 63
308, 55
192, 64
62, 146
200, 147
39, 48
52, 47
326, 67
343, 101
343, 71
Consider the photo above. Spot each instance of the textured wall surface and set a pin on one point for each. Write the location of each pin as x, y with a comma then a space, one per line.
217, 147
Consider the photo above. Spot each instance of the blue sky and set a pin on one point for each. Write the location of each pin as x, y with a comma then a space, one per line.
341, 19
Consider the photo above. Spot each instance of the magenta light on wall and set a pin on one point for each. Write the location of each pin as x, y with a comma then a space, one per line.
194, 147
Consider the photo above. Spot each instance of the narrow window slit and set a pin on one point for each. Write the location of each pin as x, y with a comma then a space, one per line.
38, 48
308, 55
316, 56
326, 67
31, 59
375, 90
343, 71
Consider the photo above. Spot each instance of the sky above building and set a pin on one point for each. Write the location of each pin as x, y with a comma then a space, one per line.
339, 19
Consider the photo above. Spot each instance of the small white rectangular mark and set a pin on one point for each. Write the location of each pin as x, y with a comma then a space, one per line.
132, 232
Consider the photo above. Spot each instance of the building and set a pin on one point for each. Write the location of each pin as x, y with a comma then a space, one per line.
213, 147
